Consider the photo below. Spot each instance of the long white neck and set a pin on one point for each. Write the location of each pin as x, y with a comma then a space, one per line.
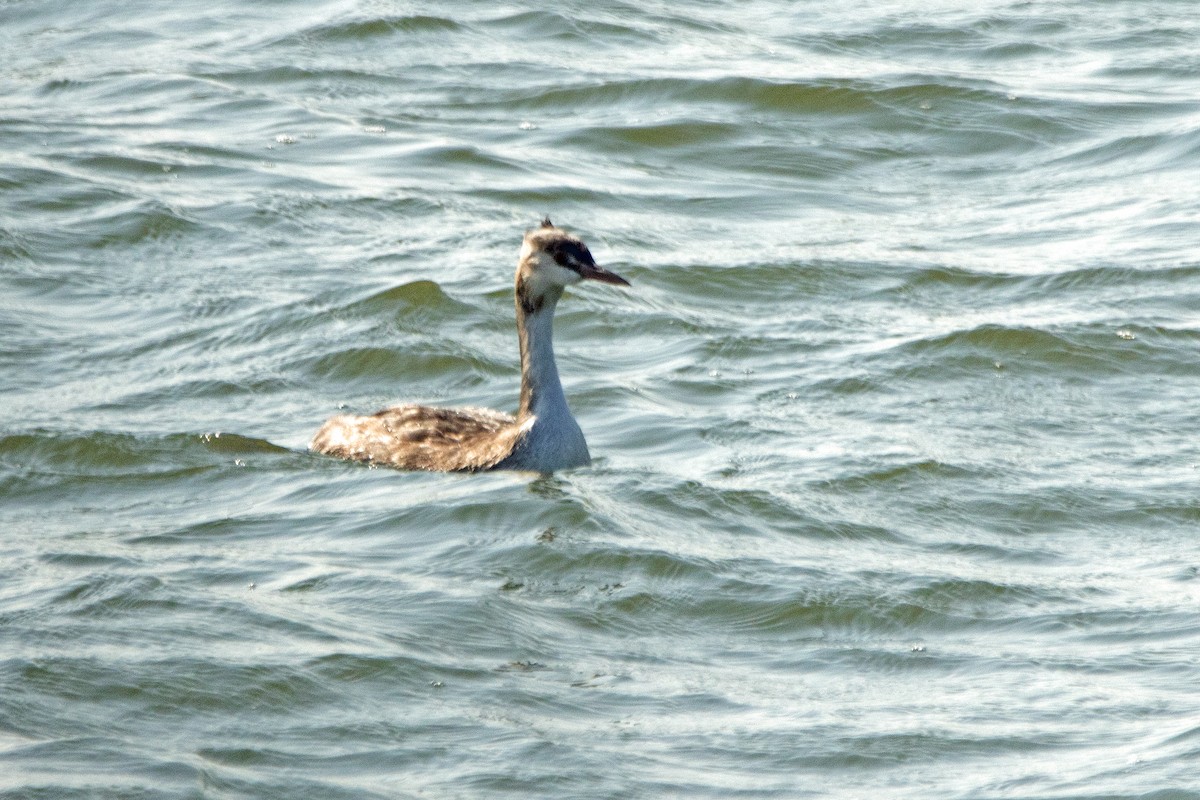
553, 439
541, 390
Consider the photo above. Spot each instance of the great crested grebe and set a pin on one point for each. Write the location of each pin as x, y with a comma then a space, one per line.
542, 437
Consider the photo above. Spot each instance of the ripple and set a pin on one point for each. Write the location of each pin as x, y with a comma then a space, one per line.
676, 135
894, 487
1133, 151
902, 475
370, 365
425, 296
1009, 347
567, 28
194, 685
367, 30
42, 460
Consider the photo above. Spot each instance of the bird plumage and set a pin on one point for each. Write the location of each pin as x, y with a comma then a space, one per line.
543, 436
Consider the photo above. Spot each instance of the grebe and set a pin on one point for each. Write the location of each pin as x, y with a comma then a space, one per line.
542, 437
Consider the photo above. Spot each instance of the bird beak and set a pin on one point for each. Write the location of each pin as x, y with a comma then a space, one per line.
592, 272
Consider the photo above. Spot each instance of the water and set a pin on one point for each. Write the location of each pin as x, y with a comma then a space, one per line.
895, 489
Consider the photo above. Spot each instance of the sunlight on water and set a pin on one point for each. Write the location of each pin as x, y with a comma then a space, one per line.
893, 491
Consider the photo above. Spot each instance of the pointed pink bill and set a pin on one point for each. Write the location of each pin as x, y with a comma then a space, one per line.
594, 272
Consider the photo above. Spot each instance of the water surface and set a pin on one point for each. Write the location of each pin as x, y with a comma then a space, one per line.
895, 481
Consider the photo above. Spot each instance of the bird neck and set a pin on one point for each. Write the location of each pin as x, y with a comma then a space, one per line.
541, 390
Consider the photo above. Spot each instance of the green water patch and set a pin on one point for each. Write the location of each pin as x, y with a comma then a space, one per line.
219, 529
1132, 152
45, 458
180, 686
198, 389
417, 304
132, 223
818, 606
475, 158
1068, 281
761, 94
564, 29
522, 194
1074, 352
120, 166
96, 210
375, 31
44, 190
225, 323
685, 134
755, 282
372, 365
259, 78
993, 600
568, 559
922, 280
107, 595
901, 477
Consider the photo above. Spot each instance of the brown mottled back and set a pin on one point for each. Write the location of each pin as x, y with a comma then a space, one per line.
422, 438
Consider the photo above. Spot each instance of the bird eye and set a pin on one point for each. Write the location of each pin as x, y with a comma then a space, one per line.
571, 255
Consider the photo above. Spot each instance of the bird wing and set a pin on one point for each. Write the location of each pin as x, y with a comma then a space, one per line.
422, 438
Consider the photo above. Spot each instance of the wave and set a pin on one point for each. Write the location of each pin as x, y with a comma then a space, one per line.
1087, 350
48, 455
359, 30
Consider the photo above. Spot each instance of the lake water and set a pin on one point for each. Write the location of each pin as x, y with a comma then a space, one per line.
896, 432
